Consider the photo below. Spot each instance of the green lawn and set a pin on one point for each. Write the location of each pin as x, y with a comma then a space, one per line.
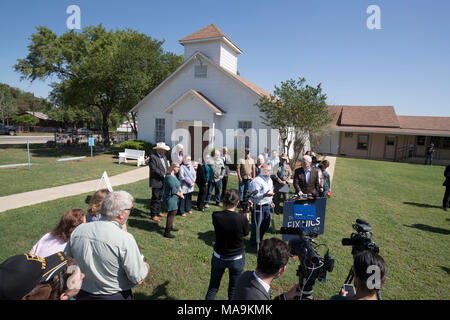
47, 172
401, 202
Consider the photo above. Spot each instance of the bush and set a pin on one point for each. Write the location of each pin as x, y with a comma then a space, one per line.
138, 145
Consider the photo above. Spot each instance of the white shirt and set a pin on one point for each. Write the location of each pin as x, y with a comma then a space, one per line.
264, 284
262, 185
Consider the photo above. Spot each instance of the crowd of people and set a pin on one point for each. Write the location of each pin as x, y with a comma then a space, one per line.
92, 256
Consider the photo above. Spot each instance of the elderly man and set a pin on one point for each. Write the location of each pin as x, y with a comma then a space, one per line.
261, 189
158, 165
307, 178
108, 256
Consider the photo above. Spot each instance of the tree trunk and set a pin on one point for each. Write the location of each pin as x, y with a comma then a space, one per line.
105, 129
132, 122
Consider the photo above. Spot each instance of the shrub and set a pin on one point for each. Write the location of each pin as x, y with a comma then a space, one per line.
138, 145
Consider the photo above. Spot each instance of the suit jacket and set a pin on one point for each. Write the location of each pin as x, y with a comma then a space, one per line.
248, 288
447, 176
157, 171
313, 187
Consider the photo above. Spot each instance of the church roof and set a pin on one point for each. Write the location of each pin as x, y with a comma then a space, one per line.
207, 33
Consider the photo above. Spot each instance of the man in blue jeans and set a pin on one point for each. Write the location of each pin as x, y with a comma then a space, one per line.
229, 251
429, 154
262, 203
246, 173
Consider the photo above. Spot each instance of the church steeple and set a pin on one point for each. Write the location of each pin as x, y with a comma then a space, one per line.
212, 42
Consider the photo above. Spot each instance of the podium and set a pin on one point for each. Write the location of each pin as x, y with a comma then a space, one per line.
308, 213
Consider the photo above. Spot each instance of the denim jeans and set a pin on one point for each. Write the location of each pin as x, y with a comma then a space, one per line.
218, 266
263, 220
429, 156
216, 185
243, 187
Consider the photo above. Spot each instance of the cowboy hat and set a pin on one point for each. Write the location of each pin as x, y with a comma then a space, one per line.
162, 145
284, 156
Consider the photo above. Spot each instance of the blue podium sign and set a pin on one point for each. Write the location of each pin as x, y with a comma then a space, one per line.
309, 214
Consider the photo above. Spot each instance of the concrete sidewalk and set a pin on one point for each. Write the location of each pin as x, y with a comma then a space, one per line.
38, 196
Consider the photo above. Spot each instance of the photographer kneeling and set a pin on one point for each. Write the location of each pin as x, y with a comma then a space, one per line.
370, 274
273, 256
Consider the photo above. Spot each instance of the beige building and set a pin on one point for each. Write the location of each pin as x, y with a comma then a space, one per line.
378, 133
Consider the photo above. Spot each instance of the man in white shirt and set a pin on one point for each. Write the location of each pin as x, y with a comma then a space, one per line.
262, 186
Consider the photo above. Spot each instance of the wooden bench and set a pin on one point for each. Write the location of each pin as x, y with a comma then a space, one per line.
138, 155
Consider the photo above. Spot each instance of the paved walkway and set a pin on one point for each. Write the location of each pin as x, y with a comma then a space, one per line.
38, 196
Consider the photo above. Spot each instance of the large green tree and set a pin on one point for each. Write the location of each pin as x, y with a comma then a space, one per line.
97, 68
297, 110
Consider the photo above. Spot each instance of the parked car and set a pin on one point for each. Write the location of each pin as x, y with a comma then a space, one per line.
84, 131
11, 130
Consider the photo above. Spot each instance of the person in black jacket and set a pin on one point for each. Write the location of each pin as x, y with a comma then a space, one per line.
229, 250
273, 256
158, 165
202, 181
446, 200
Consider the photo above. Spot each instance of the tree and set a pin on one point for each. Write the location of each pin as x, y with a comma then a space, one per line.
8, 105
297, 110
96, 68
26, 120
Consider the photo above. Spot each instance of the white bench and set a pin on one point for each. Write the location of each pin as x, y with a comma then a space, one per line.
138, 155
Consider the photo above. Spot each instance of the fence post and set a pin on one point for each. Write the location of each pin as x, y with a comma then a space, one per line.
28, 151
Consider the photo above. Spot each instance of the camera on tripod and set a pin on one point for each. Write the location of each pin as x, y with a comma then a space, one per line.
312, 266
362, 240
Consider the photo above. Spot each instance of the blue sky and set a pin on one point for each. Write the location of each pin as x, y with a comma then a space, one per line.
405, 64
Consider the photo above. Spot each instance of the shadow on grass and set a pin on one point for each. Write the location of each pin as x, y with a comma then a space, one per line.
422, 205
446, 269
424, 227
207, 237
139, 219
159, 293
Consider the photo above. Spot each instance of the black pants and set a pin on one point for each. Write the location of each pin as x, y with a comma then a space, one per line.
123, 295
224, 186
279, 196
155, 202
201, 198
445, 201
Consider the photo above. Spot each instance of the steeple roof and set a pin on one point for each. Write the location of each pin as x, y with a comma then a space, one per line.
207, 33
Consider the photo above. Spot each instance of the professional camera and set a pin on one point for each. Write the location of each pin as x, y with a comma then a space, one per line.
362, 240
312, 266
245, 204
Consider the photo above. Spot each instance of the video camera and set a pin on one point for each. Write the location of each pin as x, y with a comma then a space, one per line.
245, 204
312, 266
362, 240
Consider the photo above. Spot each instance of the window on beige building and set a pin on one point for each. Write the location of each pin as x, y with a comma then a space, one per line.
363, 141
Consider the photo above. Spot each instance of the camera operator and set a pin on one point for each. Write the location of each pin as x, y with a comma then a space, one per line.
273, 256
365, 263
262, 203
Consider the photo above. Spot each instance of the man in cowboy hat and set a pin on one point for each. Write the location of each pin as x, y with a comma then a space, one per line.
158, 165
280, 177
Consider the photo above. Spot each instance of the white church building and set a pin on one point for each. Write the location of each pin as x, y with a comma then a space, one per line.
204, 102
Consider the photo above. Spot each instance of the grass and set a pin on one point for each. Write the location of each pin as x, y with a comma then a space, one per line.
400, 201
47, 172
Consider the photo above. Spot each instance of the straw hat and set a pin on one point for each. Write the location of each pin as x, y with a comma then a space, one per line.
162, 145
